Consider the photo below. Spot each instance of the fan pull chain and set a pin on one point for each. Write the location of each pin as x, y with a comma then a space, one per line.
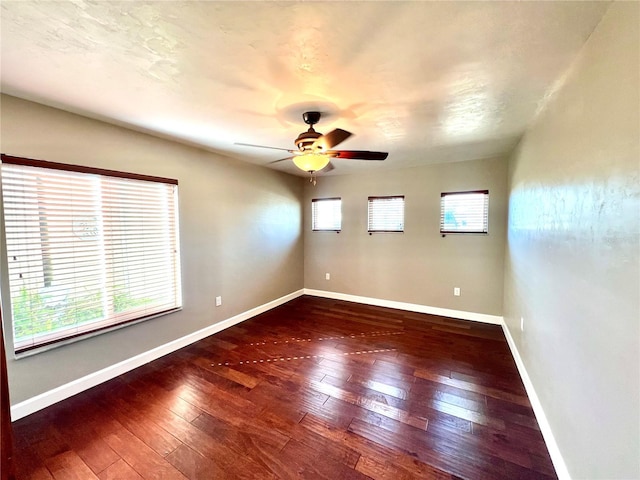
312, 178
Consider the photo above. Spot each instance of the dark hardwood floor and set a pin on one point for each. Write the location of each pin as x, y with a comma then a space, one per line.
315, 388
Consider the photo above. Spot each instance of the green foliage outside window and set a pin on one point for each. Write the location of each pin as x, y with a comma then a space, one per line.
33, 314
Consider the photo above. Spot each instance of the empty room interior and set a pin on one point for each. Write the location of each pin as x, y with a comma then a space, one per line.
368, 240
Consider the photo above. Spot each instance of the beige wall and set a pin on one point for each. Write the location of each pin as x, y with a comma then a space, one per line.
572, 263
417, 266
240, 229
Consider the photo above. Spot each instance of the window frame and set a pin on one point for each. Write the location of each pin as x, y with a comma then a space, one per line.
316, 201
485, 213
116, 319
371, 202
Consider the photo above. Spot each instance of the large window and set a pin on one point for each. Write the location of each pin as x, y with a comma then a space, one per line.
326, 214
386, 214
464, 212
87, 249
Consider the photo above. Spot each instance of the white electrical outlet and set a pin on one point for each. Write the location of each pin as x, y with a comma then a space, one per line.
327, 276
456, 291
522, 324
218, 301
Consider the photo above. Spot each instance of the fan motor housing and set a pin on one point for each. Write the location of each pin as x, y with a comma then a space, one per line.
306, 139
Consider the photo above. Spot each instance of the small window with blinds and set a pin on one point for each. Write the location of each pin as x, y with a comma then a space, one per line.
464, 212
326, 214
88, 249
386, 214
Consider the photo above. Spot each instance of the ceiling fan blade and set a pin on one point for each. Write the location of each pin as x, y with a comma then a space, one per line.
357, 154
280, 160
331, 139
264, 146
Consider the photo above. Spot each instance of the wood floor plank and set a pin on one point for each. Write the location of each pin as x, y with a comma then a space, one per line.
224, 456
69, 466
381, 470
40, 473
143, 459
119, 470
315, 388
369, 404
508, 451
446, 456
28, 464
479, 406
311, 462
172, 402
382, 387
375, 460
466, 414
230, 373
135, 419
361, 389
51, 443
193, 465
473, 387
246, 438
95, 453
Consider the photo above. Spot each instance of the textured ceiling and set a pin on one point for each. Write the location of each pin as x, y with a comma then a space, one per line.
426, 81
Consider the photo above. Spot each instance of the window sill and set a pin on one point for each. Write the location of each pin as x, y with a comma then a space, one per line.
50, 346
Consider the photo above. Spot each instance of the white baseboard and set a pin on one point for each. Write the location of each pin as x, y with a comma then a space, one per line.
67, 390
411, 307
545, 428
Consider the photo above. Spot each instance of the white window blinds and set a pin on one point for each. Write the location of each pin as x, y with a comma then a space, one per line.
386, 214
464, 212
326, 214
87, 250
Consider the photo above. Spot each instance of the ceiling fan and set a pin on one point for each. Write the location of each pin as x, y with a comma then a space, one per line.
315, 152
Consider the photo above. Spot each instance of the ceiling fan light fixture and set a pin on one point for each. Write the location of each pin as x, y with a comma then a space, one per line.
311, 162
315, 150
